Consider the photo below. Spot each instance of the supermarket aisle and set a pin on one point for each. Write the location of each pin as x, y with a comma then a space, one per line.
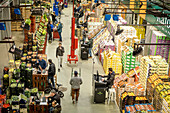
85, 104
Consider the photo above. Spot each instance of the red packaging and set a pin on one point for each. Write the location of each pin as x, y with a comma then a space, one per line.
137, 107
1, 104
151, 107
127, 108
3, 98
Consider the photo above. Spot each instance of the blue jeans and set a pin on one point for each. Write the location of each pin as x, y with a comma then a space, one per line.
90, 52
52, 80
60, 36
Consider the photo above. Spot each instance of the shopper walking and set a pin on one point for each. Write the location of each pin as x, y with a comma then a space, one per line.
49, 31
75, 83
59, 29
59, 55
90, 43
59, 9
51, 71
53, 17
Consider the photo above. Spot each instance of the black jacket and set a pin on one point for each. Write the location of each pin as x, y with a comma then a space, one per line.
59, 52
51, 70
53, 17
90, 43
56, 98
110, 79
81, 14
85, 24
48, 28
85, 33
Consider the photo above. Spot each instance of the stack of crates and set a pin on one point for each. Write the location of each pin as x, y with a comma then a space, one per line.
140, 32
116, 63
151, 65
161, 65
15, 103
144, 70
112, 60
33, 24
128, 60
23, 103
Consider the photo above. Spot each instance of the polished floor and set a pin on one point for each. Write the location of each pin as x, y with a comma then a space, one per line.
85, 104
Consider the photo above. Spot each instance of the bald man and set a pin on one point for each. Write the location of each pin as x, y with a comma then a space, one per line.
42, 63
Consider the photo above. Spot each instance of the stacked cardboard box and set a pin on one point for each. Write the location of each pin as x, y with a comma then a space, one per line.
128, 60
158, 93
140, 32
163, 50
100, 39
150, 65
112, 60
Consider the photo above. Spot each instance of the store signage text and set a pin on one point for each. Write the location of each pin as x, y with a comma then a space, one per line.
164, 21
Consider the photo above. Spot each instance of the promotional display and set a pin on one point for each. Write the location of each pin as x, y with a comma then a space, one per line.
128, 60
150, 65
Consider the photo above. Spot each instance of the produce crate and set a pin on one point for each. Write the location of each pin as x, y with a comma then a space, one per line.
38, 108
23, 110
157, 103
40, 81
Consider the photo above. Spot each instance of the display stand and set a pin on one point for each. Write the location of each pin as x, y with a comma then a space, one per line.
38, 108
40, 81
44, 49
55, 35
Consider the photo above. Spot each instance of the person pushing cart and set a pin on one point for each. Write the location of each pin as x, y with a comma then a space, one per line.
75, 83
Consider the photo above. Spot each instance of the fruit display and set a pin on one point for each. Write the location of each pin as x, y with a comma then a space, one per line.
140, 32
127, 38
41, 36
128, 60
130, 109
145, 107
100, 39
34, 90
127, 98
94, 28
151, 65
15, 98
158, 92
112, 60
